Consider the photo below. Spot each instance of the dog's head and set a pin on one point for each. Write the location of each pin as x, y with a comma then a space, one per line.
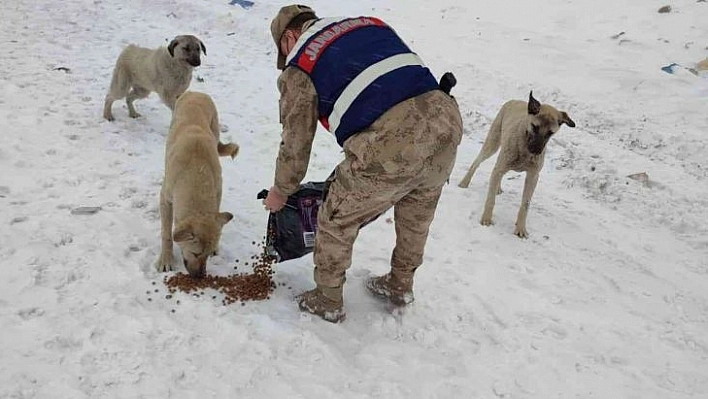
544, 122
198, 239
187, 48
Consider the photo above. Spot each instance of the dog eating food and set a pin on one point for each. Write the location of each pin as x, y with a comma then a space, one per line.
240, 287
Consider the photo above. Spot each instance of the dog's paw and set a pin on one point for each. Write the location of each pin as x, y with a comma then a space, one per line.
134, 115
486, 220
464, 184
499, 191
109, 118
164, 263
521, 232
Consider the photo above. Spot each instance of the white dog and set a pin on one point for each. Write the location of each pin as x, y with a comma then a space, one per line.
191, 190
166, 71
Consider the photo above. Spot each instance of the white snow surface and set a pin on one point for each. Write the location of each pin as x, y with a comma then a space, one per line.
608, 298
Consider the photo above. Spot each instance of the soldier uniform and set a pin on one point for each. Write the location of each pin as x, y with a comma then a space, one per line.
399, 133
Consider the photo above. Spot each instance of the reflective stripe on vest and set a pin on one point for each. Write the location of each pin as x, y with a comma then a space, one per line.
360, 68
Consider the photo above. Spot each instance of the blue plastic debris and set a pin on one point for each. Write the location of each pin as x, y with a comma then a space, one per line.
674, 67
671, 68
243, 3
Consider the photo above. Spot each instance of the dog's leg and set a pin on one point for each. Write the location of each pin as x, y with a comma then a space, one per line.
494, 183
490, 146
166, 260
529, 187
120, 85
135, 93
107, 108
499, 189
169, 99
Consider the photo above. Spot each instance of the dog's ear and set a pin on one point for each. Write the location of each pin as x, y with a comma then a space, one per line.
171, 47
224, 217
566, 119
183, 234
534, 105
201, 44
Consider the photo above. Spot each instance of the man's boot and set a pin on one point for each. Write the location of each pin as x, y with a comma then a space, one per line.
325, 302
399, 291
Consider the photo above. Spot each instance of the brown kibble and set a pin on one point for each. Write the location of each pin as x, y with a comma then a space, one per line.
173, 310
156, 290
239, 287
168, 296
153, 283
150, 299
178, 301
147, 292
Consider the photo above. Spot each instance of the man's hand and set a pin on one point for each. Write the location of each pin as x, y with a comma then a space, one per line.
275, 201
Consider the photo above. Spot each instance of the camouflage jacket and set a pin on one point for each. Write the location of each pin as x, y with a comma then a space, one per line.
298, 115
400, 136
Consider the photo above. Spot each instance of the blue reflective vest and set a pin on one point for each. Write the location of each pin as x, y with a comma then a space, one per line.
360, 69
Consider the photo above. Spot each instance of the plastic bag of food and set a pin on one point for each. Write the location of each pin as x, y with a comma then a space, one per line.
291, 231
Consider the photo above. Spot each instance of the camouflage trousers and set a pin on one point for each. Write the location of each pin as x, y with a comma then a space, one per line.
401, 161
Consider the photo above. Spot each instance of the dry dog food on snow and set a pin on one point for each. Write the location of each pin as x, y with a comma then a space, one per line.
242, 287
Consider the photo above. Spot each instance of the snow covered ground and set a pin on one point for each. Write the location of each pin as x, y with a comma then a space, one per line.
608, 298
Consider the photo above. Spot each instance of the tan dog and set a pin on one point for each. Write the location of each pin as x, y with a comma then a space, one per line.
166, 71
522, 130
191, 190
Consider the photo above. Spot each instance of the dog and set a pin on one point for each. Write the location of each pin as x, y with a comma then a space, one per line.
166, 71
522, 130
191, 189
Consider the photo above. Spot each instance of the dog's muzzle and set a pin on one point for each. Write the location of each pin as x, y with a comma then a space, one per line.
194, 62
198, 272
535, 150
536, 145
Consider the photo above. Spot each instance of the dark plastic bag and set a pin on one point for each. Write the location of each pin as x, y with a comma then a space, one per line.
291, 231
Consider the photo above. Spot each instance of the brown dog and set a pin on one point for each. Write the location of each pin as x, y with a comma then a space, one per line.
166, 70
522, 130
191, 190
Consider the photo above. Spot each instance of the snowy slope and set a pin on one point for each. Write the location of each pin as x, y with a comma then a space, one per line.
608, 298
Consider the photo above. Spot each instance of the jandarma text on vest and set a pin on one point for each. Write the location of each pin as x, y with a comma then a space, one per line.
313, 49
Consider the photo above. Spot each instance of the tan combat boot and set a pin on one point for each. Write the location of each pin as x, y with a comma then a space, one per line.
399, 292
324, 302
